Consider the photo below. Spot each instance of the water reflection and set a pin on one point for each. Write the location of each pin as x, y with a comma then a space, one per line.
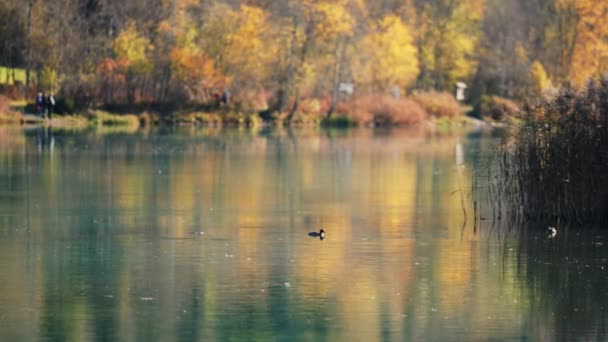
567, 277
190, 234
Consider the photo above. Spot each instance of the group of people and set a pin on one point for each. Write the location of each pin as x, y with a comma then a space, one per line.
222, 98
45, 105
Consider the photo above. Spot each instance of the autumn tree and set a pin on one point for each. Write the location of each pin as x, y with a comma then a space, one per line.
249, 51
505, 51
386, 57
562, 36
448, 33
183, 65
12, 35
195, 72
132, 50
588, 48
295, 35
163, 50
334, 29
540, 80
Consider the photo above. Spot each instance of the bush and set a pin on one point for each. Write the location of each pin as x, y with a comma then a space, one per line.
6, 115
5, 104
12, 91
382, 110
311, 106
498, 108
147, 119
439, 104
267, 115
80, 91
65, 105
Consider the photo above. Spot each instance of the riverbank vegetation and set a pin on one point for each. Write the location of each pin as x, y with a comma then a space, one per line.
294, 61
556, 168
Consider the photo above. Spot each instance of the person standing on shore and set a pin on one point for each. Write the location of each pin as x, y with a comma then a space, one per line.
225, 99
44, 98
39, 104
50, 105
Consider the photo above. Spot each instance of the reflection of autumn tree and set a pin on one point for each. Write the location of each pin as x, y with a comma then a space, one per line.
395, 249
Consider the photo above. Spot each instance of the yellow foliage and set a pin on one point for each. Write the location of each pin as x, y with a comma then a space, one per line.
448, 35
248, 53
48, 78
219, 23
473, 9
334, 19
181, 29
387, 56
590, 53
251, 20
460, 65
133, 48
192, 67
520, 52
539, 78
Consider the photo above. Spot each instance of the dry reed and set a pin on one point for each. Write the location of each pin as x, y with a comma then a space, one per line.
557, 168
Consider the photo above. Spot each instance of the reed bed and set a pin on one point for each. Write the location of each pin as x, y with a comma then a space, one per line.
556, 169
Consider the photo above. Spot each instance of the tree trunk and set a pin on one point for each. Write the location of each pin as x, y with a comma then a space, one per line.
28, 63
302, 59
285, 83
339, 56
296, 104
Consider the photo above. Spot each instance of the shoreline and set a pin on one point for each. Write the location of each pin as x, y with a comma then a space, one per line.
97, 118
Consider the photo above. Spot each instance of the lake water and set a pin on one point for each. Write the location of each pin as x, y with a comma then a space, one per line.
202, 234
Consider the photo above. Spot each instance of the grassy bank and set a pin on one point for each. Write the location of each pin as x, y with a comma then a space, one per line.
556, 169
426, 108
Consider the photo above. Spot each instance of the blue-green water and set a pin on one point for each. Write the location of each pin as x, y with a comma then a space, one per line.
202, 234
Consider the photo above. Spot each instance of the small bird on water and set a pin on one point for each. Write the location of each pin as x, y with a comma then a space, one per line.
552, 232
320, 234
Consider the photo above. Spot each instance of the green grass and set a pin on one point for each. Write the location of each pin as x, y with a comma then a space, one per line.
337, 120
106, 119
19, 75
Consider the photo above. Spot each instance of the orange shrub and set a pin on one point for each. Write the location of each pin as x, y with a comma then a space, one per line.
439, 104
4, 104
310, 106
382, 110
498, 108
6, 115
12, 91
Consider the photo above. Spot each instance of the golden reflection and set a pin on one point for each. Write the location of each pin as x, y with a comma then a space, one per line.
390, 203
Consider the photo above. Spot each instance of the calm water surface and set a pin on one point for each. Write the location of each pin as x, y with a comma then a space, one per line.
202, 234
